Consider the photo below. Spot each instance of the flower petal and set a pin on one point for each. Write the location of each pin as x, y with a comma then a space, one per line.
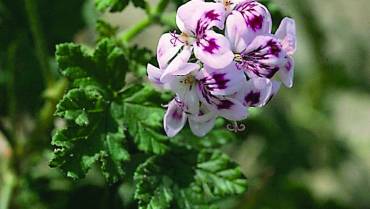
214, 50
286, 73
168, 47
174, 119
154, 75
202, 127
274, 90
235, 32
255, 92
179, 65
231, 109
224, 81
286, 33
186, 93
263, 57
196, 16
226, 107
256, 17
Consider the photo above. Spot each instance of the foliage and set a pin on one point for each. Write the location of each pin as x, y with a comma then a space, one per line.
206, 176
103, 114
117, 5
105, 124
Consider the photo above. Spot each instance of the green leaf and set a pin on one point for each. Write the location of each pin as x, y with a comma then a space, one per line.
190, 179
107, 66
143, 121
139, 58
153, 191
217, 175
77, 105
73, 60
215, 139
179, 2
84, 143
118, 5
139, 3
93, 134
105, 30
112, 5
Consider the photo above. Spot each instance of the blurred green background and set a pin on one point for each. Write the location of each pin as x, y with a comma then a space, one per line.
309, 148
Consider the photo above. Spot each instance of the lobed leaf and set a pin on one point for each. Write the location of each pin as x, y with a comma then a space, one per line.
217, 175
83, 143
191, 180
143, 121
93, 134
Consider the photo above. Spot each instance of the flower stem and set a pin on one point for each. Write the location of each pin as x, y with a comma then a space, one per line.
136, 29
39, 40
154, 16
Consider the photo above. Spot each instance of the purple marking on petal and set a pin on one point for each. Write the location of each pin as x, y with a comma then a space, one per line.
252, 98
288, 65
253, 61
275, 47
216, 81
204, 23
212, 15
205, 92
211, 46
175, 38
224, 104
177, 114
252, 17
255, 22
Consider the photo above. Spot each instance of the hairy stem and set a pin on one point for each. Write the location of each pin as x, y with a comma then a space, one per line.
39, 40
154, 16
136, 29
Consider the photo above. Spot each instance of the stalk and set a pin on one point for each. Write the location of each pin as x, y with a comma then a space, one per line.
154, 16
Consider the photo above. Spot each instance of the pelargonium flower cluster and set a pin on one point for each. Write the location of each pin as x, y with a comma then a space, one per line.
224, 60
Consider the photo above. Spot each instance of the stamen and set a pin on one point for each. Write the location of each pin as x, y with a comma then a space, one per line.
238, 58
188, 80
175, 38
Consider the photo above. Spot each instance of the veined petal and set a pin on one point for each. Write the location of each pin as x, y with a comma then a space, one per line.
274, 90
226, 107
286, 33
186, 92
256, 17
263, 57
154, 75
231, 109
174, 119
224, 81
196, 16
213, 50
286, 73
191, 101
179, 65
168, 47
200, 125
235, 32
255, 92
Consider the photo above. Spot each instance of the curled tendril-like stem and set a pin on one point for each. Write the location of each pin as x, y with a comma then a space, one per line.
235, 127
164, 105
